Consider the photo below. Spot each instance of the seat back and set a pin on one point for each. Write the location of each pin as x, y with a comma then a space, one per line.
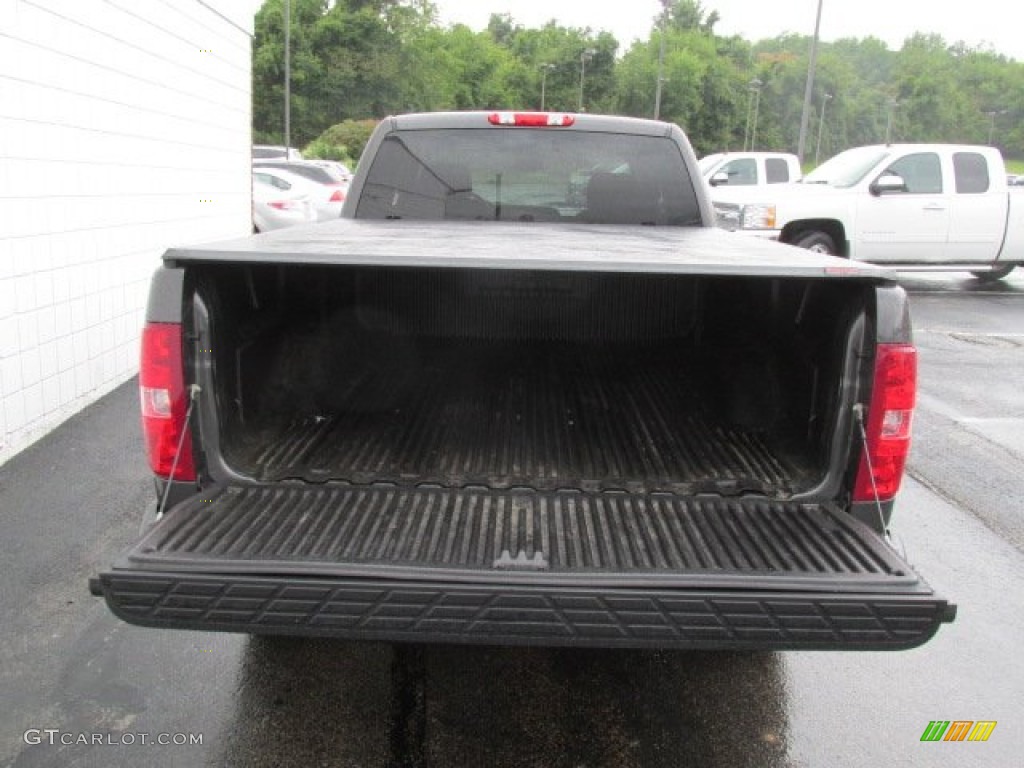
618, 198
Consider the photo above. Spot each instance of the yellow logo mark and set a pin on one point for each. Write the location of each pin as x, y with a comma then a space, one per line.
982, 730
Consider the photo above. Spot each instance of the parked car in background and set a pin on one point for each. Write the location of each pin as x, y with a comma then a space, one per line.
338, 167
325, 186
269, 151
913, 206
277, 203
749, 169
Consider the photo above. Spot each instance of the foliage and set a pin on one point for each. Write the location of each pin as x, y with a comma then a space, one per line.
358, 60
343, 141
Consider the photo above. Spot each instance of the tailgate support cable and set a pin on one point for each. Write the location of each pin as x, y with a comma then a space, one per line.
858, 411
194, 391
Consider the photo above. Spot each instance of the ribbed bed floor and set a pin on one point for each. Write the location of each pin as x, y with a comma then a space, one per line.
554, 418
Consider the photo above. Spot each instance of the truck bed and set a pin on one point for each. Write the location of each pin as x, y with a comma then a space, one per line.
525, 456
544, 416
524, 378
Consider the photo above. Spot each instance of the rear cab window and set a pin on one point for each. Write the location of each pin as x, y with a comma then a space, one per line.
776, 170
971, 172
529, 175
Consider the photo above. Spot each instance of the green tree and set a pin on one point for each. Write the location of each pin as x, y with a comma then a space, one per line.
704, 87
347, 61
691, 16
344, 141
363, 59
268, 69
931, 107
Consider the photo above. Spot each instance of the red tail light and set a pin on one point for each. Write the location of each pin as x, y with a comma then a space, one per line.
164, 401
338, 196
888, 423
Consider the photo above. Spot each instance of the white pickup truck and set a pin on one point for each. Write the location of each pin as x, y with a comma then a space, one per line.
749, 169
913, 206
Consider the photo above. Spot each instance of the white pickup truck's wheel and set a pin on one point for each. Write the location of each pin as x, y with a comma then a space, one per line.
991, 275
816, 241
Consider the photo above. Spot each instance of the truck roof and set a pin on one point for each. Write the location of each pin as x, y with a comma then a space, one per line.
742, 153
580, 121
538, 246
933, 147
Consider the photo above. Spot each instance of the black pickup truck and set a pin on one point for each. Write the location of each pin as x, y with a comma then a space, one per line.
523, 392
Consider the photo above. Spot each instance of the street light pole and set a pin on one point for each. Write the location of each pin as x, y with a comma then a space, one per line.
661, 60
992, 123
756, 85
821, 125
753, 85
544, 69
585, 56
288, 79
805, 115
888, 123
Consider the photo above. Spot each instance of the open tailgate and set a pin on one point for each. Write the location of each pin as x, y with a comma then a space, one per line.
555, 568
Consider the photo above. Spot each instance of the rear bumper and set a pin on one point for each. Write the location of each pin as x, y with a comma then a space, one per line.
545, 614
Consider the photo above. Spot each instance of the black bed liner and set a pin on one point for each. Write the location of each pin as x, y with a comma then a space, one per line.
485, 566
545, 416
513, 535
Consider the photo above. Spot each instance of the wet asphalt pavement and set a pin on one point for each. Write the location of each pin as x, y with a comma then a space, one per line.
72, 502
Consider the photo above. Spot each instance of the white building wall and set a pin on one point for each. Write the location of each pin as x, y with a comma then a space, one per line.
125, 129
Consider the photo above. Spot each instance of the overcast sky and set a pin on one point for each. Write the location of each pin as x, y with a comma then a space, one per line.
994, 22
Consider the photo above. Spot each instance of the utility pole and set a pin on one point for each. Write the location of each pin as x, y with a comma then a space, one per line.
992, 123
821, 125
756, 85
888, 123
585, 56
288, 79
544, 69
752, 87
661, 60
805, 115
